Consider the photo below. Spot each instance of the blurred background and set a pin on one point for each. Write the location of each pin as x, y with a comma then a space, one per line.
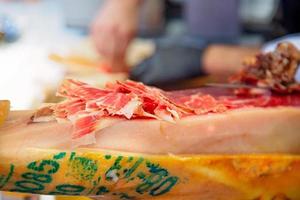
173, 44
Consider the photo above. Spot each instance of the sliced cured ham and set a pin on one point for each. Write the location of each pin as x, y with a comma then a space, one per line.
209, 121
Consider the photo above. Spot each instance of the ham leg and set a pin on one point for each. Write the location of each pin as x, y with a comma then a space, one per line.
248, 130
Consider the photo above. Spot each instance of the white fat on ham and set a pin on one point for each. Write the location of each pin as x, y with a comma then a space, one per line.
248, 130
129, 109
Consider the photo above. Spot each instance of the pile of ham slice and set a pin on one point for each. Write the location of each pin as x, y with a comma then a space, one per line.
274, 70
86, 105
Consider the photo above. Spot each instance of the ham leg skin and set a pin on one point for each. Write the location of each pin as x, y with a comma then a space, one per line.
257, 125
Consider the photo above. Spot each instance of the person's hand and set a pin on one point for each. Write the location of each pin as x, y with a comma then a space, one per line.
113, 29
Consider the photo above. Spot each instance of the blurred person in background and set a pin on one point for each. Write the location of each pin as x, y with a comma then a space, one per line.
117, 23
210, 44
